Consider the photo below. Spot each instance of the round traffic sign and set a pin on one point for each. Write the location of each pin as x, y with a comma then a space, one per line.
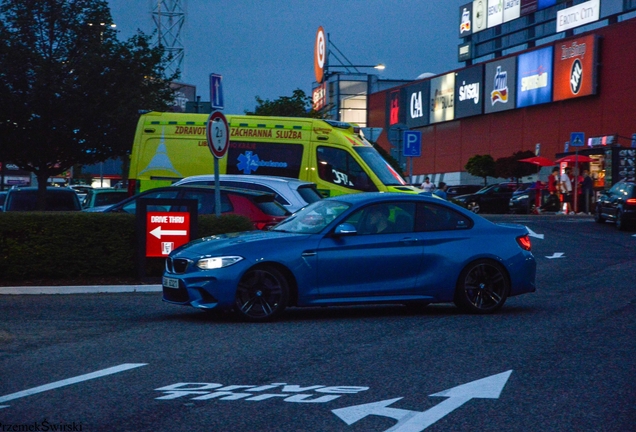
217, 134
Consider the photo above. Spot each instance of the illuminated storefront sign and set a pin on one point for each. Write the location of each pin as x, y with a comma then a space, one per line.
578, 15
495, 13
512, 10
480, 12
442, 99
417, 100
319, 97
500, 85
575, 68
469, 87
466, 20
534, 77
394, 110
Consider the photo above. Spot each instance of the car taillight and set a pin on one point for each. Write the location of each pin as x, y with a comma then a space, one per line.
132, 187
631, 201
524, 242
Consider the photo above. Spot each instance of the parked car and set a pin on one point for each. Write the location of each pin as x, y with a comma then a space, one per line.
3, 195
102, 197
490, 199
81, 190
57, 199
430, 251
260, 207
617, 204
523, 200
454, 191
292, 193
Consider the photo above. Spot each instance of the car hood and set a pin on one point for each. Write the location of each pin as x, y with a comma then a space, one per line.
238, 242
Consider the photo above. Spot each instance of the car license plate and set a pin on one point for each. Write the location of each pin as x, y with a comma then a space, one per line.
171, 282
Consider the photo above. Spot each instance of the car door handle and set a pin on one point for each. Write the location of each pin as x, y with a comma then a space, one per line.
410, 240
308, 254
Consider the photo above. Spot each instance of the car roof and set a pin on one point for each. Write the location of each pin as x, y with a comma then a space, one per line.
248, 177
34, 188
376, 197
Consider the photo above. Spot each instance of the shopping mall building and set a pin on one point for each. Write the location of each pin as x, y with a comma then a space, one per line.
534, 78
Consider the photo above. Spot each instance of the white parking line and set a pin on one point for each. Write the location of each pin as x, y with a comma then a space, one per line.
69, 381
36, 290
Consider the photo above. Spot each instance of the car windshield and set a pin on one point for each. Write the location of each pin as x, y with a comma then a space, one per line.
387, 175
313, 218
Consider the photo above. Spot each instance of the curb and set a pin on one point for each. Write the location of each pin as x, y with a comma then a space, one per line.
94, 289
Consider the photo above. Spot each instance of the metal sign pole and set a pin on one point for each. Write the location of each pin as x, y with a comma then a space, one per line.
217, 190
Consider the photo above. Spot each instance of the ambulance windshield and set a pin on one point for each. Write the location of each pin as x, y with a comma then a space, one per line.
387, 175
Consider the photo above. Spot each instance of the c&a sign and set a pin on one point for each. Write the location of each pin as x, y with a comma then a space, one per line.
417, 97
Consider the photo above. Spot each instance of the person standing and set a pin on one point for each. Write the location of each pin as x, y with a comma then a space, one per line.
587, 188
441, 190
427, 186
566, 191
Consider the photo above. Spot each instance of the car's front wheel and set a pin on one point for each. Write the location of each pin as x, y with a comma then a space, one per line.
262, 294
482, 288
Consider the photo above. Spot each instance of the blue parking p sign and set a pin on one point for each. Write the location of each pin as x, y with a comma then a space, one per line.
412, 143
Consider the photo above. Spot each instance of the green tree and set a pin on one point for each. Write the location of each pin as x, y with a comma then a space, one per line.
510, 167
71, 91
297, 105
481, 166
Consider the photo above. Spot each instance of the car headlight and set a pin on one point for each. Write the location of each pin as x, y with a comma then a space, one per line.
525, 196
217, 262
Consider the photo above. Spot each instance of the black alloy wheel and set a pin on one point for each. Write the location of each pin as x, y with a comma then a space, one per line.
262, 294
482, 288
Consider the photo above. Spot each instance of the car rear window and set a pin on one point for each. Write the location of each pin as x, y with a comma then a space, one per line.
109, 198
270, 207
26, 200
309, 193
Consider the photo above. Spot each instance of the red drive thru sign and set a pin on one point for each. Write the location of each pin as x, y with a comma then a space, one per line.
166, 232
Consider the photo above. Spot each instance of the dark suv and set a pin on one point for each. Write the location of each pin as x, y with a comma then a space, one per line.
57, 199
617, 204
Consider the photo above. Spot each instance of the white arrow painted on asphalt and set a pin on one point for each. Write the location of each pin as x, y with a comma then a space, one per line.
158, 232
534, 234
416, 421
556, 255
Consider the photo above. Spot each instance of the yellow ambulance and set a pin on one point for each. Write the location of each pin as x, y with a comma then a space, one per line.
334, 155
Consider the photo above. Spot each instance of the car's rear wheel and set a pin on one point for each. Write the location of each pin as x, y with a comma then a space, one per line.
262, 294
473, 206
482, 288
598, 217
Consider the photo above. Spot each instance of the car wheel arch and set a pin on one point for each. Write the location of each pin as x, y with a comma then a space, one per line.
286, 272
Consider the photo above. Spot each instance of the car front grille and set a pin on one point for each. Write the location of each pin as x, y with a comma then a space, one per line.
176, 265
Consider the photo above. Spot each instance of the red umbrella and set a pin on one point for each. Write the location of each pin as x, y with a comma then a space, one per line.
538, 160
575, 159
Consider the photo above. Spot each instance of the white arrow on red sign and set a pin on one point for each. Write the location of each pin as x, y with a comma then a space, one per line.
158, 232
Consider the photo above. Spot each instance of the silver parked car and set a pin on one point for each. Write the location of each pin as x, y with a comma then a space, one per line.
292, 193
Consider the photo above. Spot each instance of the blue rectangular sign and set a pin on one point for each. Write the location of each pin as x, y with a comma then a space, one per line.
534, 77
412, 143
216, 91
577, 139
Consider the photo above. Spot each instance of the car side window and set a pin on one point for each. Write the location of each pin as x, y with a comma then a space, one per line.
385, 218
206, 202
432, 217
339, 167
131, 207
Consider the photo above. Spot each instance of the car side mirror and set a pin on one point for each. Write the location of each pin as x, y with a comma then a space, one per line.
345, 229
